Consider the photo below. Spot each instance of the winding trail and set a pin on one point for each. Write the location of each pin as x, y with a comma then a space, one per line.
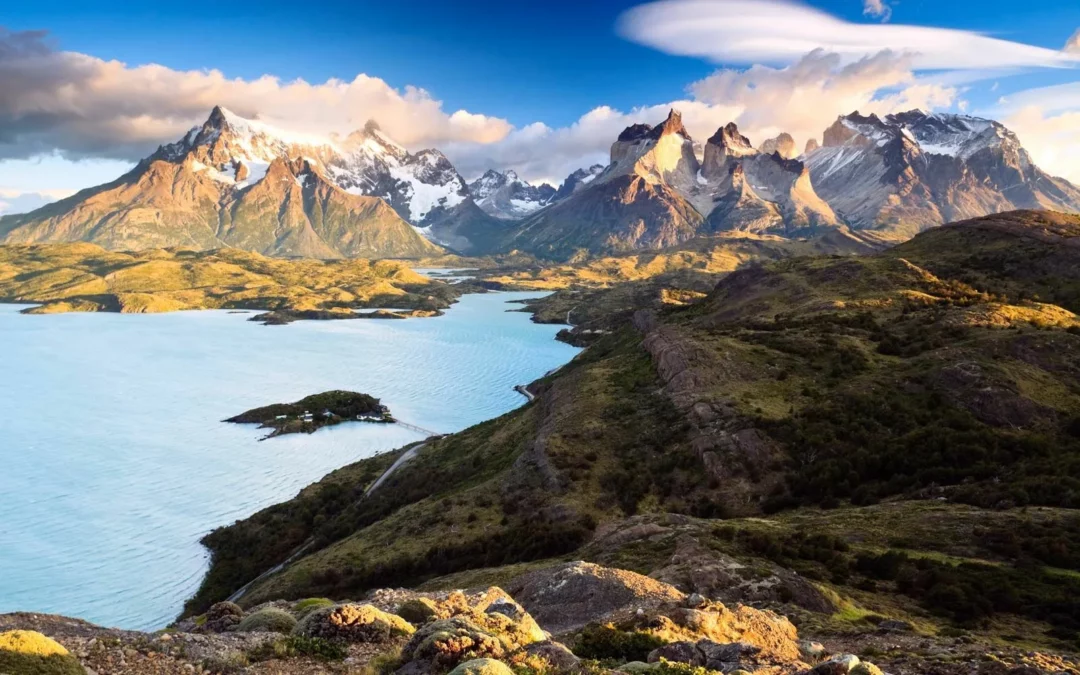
405, 458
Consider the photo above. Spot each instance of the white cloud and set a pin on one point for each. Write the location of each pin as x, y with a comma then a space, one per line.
538, 152
806, 97
12, 201
83, 106
1051, 139
801, 99
782, 31
1073, 45
877, 9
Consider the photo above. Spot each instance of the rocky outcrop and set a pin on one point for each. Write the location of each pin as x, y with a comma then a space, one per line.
567, 597
909, 171
353, 623
783, 145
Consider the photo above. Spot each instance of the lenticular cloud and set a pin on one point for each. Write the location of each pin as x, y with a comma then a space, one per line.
741, 32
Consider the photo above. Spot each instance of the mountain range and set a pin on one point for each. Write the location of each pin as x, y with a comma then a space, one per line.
242, 183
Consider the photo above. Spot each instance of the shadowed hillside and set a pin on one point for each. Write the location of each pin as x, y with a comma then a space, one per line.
874, 388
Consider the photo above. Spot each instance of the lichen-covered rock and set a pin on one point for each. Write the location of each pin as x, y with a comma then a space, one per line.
775, 636
353, 623
556, 655
418, 610
25, 652
221, 617
482, 667
838, 665
679, 652
444, 644
811, 651
567, 597
269, 620
708, 654
864, 668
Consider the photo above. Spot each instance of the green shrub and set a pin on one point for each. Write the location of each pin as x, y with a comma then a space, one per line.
296, 645
226, 664
605, 643
304, 607
269, 620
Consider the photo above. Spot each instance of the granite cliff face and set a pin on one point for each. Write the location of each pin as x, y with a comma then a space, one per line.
906, 172
238, 182
505, 196
656, 193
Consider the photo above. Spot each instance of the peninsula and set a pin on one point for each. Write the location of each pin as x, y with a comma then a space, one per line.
82, 277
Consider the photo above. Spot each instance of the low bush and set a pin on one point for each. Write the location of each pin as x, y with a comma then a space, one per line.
269, 620
608, 644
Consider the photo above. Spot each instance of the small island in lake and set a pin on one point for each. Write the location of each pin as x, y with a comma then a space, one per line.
314, 412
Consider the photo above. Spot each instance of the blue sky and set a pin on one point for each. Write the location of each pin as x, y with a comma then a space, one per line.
511, 64
546, 61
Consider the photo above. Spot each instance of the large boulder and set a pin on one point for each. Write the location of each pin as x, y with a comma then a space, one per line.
489, 625
567, 597
418, 610
25, 652
353, 623
710, 655
554, 654
444, 644
774, 636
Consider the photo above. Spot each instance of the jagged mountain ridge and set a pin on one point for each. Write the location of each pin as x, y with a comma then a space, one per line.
909, 171
506, 196
894, 176
656, 193
236, 182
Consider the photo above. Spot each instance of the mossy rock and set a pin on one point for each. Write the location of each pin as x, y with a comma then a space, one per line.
353, 623
482, 667
446, 643
638, 667
418, 610
308, 605
25, 652
865, 668
269, 620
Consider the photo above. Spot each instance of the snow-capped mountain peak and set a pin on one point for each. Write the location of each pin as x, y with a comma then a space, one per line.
505, 196
237, 150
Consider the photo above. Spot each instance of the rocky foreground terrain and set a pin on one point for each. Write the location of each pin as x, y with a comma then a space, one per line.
570, 619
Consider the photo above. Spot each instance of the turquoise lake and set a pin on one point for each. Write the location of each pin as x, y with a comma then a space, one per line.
114, 461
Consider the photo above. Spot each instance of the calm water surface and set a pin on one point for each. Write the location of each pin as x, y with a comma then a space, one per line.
114, 462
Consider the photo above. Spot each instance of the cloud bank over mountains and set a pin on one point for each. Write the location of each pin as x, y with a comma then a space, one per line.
83, 106
787, 67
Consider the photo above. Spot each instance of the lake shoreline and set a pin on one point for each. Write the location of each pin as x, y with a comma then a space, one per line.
205, 361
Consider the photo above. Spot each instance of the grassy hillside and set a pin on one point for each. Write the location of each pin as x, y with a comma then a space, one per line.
86, 277
902, 429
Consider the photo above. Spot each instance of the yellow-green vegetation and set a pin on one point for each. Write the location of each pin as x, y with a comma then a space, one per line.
86, 277
831, 404
304, 607
30, 653
713, 255
268, 620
